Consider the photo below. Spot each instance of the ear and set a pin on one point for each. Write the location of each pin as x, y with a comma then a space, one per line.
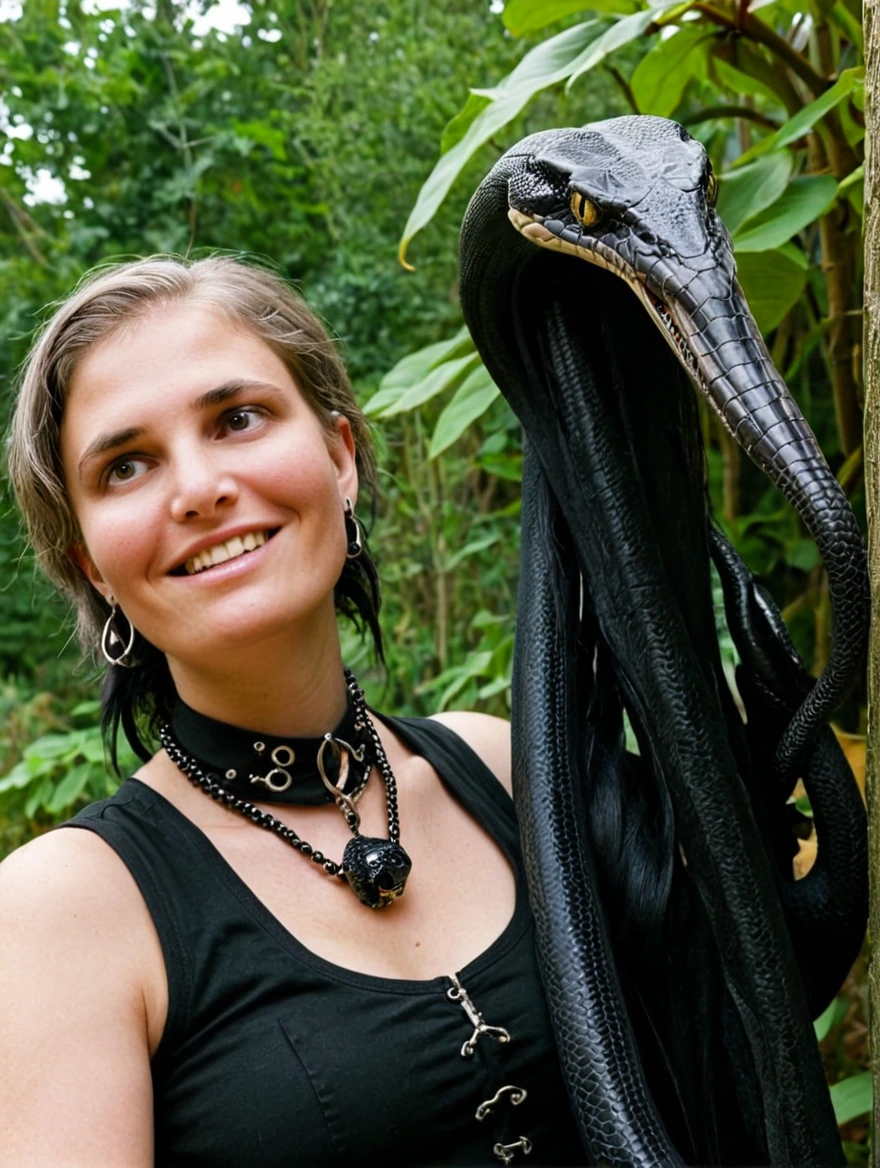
79, 556
342, 452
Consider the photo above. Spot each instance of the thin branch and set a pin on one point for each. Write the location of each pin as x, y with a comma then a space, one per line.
757, 30
185, 146
730, 111
21, 219
625, 88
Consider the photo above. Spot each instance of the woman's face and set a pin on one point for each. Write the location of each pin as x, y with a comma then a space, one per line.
185, 442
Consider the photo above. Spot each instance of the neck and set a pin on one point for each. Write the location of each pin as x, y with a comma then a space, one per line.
288, 692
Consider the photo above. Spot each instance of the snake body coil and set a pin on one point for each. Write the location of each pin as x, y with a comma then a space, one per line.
683, 963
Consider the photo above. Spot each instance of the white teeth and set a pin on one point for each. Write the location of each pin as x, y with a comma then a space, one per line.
221, 552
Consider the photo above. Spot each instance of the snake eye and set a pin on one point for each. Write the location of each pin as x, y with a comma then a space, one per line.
584, 210
711, 188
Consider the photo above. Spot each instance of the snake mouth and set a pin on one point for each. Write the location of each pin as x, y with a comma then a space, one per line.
533, 227
663, 316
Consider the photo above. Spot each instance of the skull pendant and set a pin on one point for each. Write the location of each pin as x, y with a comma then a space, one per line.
376, 869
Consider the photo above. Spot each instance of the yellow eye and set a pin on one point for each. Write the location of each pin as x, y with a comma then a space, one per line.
584, 210
711, 188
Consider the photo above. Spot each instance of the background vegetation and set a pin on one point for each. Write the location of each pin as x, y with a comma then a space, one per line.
311, 134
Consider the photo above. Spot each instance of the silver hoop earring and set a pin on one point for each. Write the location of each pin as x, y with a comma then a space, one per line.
353, 531
111, 640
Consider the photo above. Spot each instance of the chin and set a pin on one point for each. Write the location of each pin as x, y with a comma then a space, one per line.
236, 628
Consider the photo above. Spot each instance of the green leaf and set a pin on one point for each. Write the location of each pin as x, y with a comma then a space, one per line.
54, 747
851, 27
772, 284
20, 776
38, 798
470, 549
853, 188
744, 192
625, 30
69, 789
458, 126
804, 120
89, 708
522, 16
662, 75
803, 201
472, 398
267, 136
826, 1020
802, 803
493, 687
414, 367
794, 253
442, 377
804, 555
475, 664
545, 65
741, 82
853, 128
93, 748
852, 1097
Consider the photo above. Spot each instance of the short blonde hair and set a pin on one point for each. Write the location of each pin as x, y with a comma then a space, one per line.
105, 301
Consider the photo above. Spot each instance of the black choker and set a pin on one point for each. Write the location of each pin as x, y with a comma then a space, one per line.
274, 770
375, 869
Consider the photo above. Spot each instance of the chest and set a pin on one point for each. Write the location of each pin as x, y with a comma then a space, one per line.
311, 1064
459, 897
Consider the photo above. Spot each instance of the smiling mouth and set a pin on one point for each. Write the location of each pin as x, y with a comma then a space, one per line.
221, 553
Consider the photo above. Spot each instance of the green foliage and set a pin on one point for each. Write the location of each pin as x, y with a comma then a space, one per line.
852, 1097
544, 66
302, 138
784, 128
51, 758
61, 769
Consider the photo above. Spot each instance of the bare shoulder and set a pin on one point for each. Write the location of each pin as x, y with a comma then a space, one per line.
62, 874
486, 735
50, 866
67, 904
74, 1056
67, 895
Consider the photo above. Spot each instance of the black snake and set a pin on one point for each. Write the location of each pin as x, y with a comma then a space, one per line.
683, 962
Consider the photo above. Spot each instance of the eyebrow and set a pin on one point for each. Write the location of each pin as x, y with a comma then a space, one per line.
228, 391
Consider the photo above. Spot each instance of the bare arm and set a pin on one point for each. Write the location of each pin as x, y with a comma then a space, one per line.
487, 736
75, 1088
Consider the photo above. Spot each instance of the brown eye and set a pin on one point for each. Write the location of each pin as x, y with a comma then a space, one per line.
584, 210
711, 188
239, 420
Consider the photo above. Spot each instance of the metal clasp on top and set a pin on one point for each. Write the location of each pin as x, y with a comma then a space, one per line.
457, 993
345, 752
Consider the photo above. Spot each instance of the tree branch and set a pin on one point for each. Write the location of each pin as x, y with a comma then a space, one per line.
756, 30
730, 111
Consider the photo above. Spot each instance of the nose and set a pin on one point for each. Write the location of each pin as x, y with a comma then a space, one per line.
202, 486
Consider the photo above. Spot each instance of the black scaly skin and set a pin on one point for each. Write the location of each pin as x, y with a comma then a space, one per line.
720, 957
618, 1120
826, 910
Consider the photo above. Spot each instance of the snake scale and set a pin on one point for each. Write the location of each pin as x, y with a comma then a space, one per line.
683, 962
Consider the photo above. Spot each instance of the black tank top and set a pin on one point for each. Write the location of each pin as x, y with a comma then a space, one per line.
273, 1056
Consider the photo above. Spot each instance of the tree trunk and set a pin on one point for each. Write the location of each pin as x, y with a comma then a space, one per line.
872, 488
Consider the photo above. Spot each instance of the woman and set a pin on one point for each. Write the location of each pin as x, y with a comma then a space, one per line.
180, 986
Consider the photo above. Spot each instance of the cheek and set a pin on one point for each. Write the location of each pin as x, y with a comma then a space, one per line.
119, 541
304, 476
